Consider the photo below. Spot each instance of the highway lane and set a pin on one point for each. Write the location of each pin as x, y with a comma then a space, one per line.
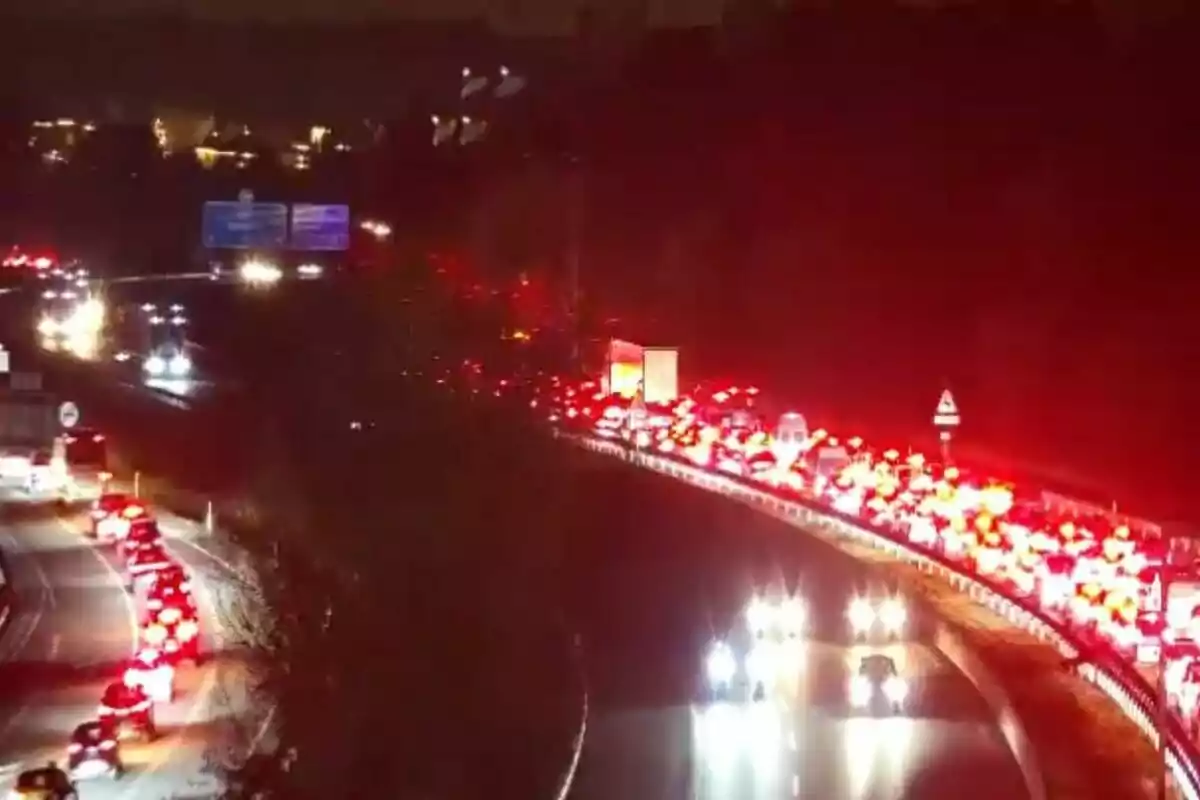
680, 567
72, 637
649, 738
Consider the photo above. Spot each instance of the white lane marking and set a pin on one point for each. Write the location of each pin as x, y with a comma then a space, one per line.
131, 612
200, 701
172, 743
204, 551
202, 697
47, 587
262, 731
16, 645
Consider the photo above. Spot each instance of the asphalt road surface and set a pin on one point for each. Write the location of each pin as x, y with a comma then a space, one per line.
676, 570
72, 635
659, 569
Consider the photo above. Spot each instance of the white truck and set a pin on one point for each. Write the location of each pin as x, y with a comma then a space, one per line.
652, 372
29, 429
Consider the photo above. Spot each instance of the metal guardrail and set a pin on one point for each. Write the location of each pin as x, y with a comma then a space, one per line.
1113, 675
5, 597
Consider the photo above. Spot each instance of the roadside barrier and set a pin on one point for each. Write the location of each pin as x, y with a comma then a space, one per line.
1112, 674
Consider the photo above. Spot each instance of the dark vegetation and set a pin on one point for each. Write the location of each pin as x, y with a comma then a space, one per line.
412, 571
853, 208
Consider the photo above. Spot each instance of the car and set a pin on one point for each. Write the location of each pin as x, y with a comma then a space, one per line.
787, 617
44, 783
152, 673
877, 683
720, 669
169, 599
763, 663
873, 618
128, 710
172, 611
93, 752
111, 514
176, 641
142, 531
143, 563
172, 578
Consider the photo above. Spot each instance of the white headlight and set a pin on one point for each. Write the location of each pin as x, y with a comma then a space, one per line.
893, 614
155, 365
179, 365
895, 689
758, 615
861, 615
720, 665
761, 662
260, 272
860, 691
795, 614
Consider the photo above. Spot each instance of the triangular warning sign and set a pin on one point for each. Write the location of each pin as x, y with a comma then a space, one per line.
946, 414
946, 404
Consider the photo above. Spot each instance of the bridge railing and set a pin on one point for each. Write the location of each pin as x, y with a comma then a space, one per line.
1099, 665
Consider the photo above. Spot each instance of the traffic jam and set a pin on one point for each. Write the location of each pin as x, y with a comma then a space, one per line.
1118, 583
168, 637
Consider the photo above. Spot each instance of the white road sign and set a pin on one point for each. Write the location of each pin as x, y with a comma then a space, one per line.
68, 414
946, 415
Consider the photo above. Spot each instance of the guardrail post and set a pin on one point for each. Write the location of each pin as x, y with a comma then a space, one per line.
1132, 693
209, 522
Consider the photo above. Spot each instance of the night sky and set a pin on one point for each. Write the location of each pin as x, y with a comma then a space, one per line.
553, 17
528, 16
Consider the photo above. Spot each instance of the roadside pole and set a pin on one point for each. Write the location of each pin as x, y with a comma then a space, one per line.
946, 419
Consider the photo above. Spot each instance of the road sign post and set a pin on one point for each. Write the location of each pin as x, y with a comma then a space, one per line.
68, 414
946, 419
